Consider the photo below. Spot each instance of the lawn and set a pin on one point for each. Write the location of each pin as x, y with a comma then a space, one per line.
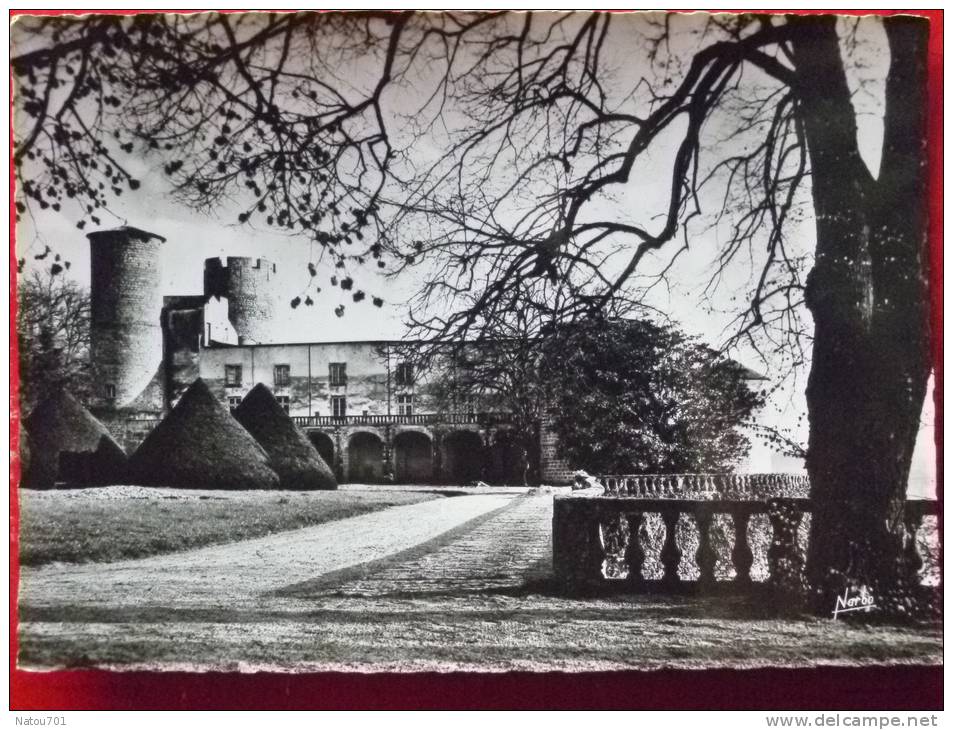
115, 523
481, 632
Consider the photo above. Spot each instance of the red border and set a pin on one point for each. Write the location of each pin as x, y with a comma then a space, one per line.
893, 688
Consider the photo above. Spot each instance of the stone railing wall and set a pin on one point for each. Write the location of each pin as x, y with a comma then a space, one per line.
706, 486
603, 541
415, 419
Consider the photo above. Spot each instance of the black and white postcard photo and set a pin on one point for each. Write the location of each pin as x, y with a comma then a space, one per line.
559, 343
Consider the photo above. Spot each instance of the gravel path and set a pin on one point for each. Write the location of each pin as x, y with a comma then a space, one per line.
507, 551
224, 575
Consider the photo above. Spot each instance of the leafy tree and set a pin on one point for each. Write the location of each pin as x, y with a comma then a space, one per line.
53, 336
529, 124
633, 397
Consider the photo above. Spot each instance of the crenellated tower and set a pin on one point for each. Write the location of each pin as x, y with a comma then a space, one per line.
248, 284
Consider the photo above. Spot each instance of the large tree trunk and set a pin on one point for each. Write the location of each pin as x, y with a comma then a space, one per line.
868, 294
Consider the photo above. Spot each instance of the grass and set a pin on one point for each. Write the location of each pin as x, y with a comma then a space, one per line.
116, 523
484, 632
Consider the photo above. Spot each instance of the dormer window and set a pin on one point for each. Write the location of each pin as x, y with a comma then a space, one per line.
404, 374
282, 376
233, 375
337, 373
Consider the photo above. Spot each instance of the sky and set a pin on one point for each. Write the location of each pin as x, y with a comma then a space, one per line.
192, 236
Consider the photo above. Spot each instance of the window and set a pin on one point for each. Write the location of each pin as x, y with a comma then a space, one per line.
285, 402
467, 405
282, 376
338, 373
233, 402
110, 390
338, 406
233, 375
405, 374
405, 405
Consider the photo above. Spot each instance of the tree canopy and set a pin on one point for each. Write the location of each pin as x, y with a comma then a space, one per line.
484, 144
53, 336
633, 397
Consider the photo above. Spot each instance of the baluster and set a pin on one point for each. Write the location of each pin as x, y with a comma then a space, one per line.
784, 558
670, 555
705, 555
741, 556
912, 520
596, 554
634, 554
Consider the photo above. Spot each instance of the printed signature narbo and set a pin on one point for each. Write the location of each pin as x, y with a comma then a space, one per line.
862, 600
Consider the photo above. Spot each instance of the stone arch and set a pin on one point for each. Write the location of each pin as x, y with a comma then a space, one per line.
365, 457
413, 457
463, 456
505, 459
324, 444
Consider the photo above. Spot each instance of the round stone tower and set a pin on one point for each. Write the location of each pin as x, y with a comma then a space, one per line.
249, 286
125, 310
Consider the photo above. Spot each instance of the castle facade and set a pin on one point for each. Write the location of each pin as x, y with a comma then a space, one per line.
370, 415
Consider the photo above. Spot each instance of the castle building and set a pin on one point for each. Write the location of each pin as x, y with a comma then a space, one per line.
370, 415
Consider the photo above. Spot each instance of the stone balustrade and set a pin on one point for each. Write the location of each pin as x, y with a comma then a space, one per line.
707, 486
415, 419
599, 540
